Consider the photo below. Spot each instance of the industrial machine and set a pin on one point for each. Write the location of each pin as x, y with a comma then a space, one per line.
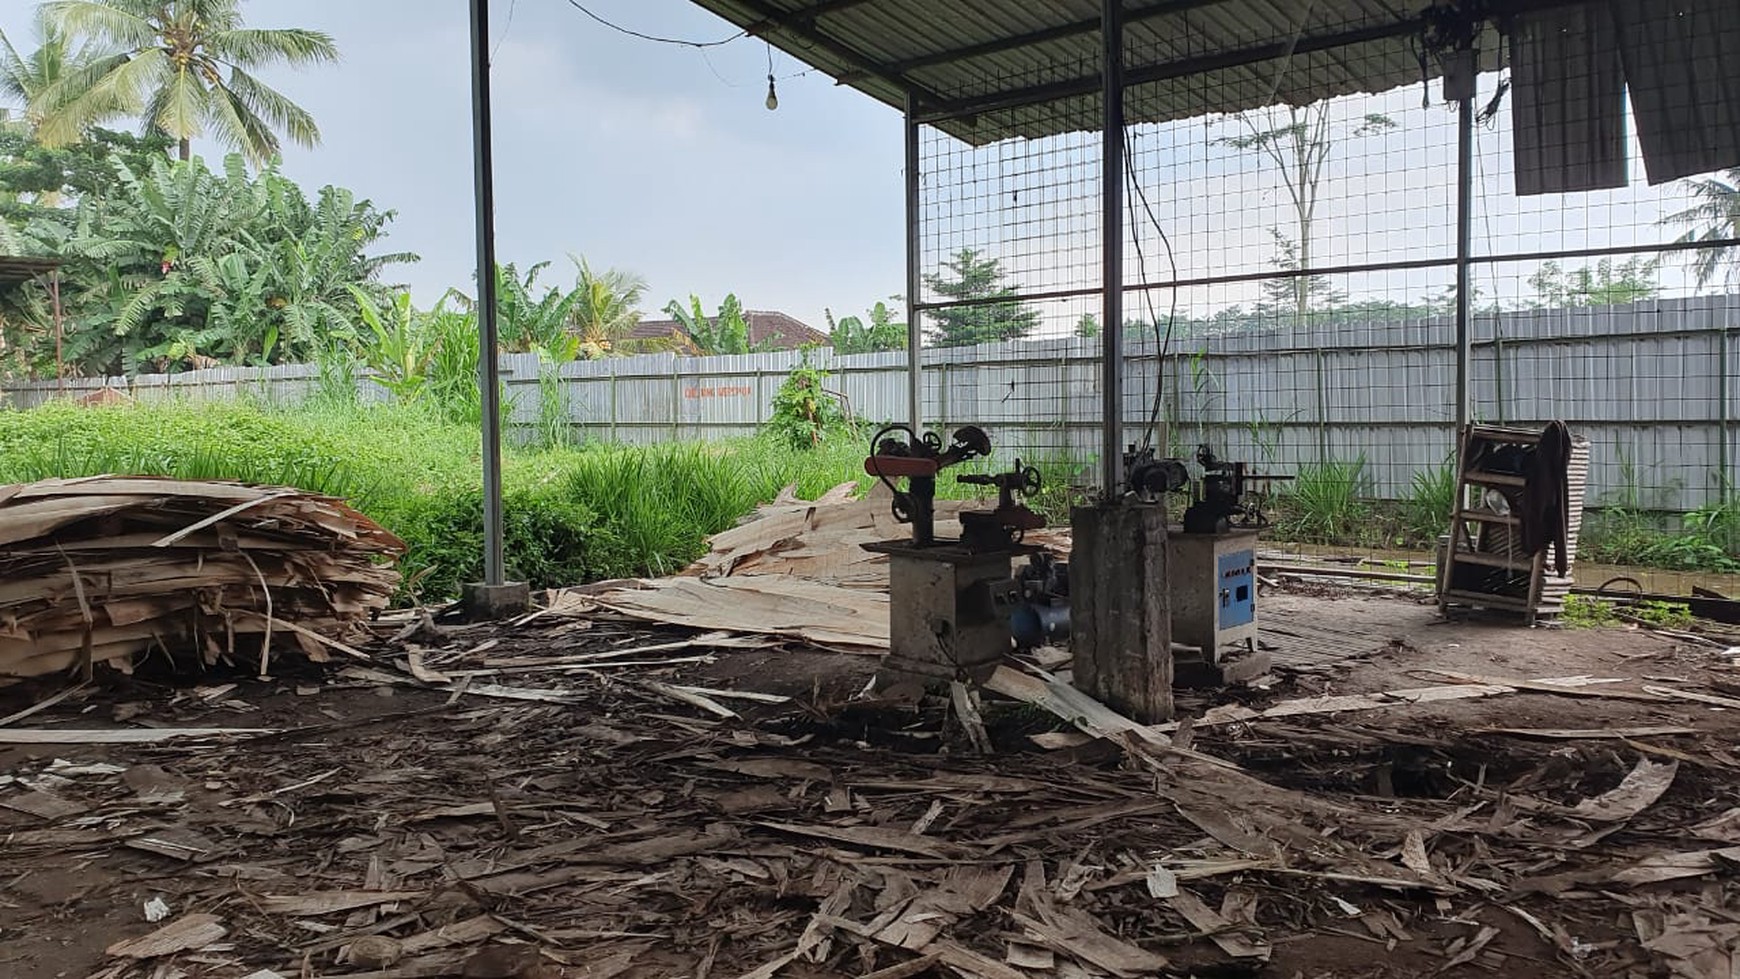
1223, 502
1211, 567
950, 600
957, 605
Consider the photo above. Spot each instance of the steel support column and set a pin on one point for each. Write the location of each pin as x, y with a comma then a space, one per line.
914, 274
1112, 248
488, 372
1464, 234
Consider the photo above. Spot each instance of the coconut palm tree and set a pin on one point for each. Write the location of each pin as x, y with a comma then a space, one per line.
184, 66
25, 78
1713, 216
607, 310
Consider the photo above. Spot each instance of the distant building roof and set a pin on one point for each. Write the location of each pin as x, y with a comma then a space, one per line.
768, 330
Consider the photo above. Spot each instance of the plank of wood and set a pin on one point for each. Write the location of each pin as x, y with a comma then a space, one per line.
1092, 717
696, 700
1237, 714
1676, 866
467, 932
1693, 696
42, 705
122, 735
169, 540
907, 969
749, 695
190, 931
1639, 790
42, 805
1565, 686
773, 605
1074, 932
873, 838
329, 902
1591, 733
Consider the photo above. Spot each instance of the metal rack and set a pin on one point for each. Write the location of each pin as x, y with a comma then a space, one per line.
1482, 563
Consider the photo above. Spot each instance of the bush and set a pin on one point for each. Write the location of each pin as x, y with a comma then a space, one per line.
547, 540
1425, 511
804, 414
1326, 503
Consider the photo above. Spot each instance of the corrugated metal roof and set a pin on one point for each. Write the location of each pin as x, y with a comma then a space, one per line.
17, 268
985, 70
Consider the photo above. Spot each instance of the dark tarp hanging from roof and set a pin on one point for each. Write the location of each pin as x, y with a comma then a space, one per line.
1568, 102
1682, 65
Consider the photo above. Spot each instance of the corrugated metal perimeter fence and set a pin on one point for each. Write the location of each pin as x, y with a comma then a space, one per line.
1651, 384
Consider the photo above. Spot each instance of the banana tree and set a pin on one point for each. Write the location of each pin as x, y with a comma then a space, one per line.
528, 320
397, 346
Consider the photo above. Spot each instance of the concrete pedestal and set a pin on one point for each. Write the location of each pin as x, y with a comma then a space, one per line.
1119, 620
949, 611
486, 603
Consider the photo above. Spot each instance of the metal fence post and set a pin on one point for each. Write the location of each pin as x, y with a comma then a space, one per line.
1322, 409
1722, 487
488, 378
1112, 247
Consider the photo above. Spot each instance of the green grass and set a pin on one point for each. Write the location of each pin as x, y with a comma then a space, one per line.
572, 513
1584, 612
1700, 541
1325, 503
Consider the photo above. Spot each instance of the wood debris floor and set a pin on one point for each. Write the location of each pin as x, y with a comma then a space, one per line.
567, 797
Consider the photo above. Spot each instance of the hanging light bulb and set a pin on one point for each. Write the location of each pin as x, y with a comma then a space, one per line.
772, 96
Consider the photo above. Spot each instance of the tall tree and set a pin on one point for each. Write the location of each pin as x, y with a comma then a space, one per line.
1300, 141
1713, 216
1298, 294
969, 275
185, 67
25, 79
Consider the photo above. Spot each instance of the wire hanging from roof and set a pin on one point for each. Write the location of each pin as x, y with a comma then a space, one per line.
683, 42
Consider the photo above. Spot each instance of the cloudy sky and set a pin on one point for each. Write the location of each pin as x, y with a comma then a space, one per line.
649, 157
663, 160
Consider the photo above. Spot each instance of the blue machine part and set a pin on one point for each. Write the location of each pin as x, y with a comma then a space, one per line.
1237, 588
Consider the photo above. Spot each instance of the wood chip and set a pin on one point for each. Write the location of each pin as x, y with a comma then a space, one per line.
1074, 932
1207, 922
1640, 788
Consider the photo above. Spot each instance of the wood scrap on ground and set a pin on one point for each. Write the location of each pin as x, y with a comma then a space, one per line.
104, 569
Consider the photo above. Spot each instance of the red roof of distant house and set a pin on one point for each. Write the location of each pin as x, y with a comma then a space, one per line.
768, 330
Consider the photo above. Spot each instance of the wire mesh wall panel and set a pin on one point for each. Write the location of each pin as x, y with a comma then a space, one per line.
1291, 274
1009, 247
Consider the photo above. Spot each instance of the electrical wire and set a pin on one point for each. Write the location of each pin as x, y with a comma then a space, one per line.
1163, 344
652, 37
506, 29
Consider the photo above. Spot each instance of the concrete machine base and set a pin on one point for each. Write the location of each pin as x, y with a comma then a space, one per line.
486, 603
952, 612
1119, 619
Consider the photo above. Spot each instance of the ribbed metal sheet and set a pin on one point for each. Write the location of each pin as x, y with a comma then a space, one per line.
850, 42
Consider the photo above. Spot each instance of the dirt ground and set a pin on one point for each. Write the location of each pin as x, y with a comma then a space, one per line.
612, 827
